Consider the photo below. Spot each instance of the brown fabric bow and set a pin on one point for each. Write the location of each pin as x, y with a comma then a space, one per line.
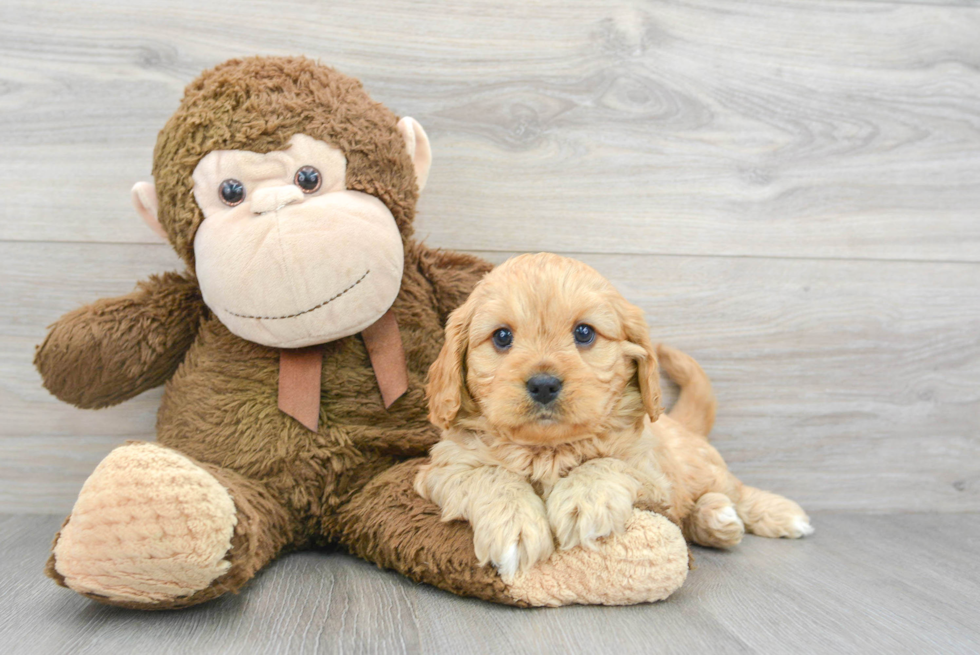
300, 368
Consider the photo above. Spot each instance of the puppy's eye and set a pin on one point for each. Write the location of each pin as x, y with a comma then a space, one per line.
232, 192
502, 338
584, 334
308, 179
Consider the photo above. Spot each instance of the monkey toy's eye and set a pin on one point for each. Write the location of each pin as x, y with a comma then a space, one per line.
502, 339
308, 179
584, 334
232, 192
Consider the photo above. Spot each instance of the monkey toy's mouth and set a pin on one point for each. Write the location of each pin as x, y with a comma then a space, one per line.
329, 270
305, 311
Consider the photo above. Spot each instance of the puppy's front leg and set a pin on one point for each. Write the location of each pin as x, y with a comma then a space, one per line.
510, 526
593, 501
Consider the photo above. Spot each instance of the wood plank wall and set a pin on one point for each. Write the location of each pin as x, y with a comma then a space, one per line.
790, 189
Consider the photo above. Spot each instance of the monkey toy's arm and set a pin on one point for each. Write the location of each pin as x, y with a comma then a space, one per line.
107, 352
452, 274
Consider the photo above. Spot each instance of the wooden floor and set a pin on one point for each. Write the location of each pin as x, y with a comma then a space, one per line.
862, 584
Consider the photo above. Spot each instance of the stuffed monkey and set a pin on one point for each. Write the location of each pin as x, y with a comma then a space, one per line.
294, 351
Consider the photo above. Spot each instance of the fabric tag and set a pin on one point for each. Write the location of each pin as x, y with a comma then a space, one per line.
384, 345
299, 384
300, 370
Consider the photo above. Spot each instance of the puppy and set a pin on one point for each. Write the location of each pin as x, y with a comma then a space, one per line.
548, 394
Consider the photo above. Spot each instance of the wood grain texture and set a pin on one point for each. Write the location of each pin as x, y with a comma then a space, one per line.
846, 385
829, 129
896, 584
789, 189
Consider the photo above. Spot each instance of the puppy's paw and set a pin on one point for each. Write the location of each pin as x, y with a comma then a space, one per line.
789, 526
715, 523
513, 537
728, 527
800, 527
591, 503
771, 515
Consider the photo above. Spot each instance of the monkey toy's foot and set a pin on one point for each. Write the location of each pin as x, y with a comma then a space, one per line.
646, 563
149, 526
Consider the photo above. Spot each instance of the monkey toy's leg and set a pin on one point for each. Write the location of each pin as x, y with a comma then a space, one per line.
154, 529
390, 524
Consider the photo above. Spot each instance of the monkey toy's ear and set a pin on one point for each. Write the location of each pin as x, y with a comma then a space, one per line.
417, 144
145, 202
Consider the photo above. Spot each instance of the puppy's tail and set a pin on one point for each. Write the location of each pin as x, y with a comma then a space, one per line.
695, 406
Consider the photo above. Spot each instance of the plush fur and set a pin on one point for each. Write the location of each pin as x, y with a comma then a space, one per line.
349, 484
525, 473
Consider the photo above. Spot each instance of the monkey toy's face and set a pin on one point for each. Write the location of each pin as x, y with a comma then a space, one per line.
286, 255
288, 192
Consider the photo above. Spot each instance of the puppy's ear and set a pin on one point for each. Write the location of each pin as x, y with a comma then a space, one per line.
447, 377
647, 370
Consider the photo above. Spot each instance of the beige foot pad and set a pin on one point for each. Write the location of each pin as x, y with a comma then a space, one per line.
646, 563
149, 525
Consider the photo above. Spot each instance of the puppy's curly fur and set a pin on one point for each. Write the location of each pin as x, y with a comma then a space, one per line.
526, 473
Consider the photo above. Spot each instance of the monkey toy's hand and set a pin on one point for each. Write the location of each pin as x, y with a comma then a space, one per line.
109, 351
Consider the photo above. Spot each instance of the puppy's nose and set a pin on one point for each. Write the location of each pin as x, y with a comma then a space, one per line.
543, 388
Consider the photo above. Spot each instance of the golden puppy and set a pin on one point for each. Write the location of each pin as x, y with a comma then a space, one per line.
548, 393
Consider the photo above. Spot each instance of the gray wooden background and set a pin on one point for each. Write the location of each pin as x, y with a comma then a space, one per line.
790, 189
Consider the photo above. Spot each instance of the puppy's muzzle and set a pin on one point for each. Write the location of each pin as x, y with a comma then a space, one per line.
543, 389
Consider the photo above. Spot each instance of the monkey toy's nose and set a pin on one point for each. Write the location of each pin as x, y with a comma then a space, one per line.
543, 388
273, 199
